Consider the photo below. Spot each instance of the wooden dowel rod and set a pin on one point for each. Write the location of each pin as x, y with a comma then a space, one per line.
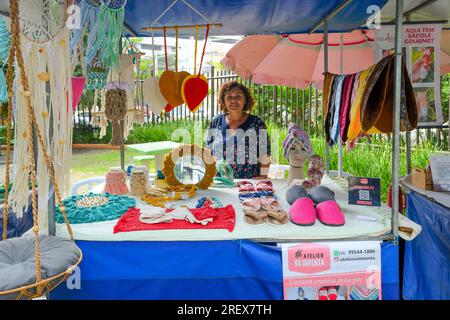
191, 26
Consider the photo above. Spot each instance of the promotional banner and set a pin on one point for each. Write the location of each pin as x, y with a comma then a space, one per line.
348, 270
421, 47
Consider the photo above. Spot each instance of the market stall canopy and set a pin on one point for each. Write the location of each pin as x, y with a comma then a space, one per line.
420, 10
241, 17
298, 59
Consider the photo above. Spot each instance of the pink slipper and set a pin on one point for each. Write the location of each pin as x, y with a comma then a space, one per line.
329, 213
302, 212
323, 294
332, 293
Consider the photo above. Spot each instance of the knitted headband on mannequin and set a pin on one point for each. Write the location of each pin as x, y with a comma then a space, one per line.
295, 134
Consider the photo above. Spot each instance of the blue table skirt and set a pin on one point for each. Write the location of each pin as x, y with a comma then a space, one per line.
427, 257
192, 271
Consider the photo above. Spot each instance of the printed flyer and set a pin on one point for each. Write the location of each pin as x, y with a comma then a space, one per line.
349, 270
421, 45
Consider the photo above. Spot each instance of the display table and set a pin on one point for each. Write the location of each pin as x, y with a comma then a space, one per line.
426, 266
354, 227
157, 265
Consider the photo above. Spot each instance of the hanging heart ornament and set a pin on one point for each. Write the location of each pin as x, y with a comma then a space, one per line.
194, 90
170, 85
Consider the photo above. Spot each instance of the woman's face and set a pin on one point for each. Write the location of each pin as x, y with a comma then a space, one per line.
297, 156
235, 100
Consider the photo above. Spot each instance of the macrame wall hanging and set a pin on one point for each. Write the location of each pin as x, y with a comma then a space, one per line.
89, 12
105, 36
46, 52
115, 111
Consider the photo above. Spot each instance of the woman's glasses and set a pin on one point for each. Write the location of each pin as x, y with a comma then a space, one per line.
237, 97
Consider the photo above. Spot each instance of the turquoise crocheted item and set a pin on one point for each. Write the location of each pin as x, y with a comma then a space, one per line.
96, 79
114, 209
3, 88
5, 40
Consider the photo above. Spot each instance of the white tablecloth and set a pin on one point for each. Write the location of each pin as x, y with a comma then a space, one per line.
354, 226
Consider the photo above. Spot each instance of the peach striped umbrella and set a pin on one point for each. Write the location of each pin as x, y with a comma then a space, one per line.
297, 59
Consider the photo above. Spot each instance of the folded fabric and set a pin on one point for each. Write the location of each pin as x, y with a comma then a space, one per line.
224, 218
155, 218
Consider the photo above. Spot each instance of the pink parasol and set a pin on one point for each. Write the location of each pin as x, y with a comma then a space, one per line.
298, 59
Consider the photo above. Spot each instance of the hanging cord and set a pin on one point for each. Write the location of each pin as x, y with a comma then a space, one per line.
195, 50
204, 50
176, 49
153, 54
165, 49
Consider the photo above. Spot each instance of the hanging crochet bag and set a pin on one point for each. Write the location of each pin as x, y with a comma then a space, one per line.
115, 111
4, 40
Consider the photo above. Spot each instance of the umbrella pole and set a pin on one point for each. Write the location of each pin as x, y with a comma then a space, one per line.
325, 44
396, 120
341, 71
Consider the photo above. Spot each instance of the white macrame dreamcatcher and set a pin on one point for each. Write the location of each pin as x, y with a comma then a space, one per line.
46, 53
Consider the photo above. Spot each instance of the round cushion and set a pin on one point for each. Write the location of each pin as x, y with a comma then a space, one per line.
294, 193
320, 194
17, 260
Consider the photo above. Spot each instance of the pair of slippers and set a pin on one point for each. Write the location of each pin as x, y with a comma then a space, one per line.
303, 213
328, 293
260, 210
247, 187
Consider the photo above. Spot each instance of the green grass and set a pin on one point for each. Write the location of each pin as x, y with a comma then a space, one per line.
97, 162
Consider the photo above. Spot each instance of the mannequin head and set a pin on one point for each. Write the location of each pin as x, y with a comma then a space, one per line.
297, 155
300, 138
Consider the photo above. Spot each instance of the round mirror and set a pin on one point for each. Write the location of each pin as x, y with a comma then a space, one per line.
190, 165
190, 169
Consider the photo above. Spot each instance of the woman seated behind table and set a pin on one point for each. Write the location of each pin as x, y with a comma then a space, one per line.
238, 136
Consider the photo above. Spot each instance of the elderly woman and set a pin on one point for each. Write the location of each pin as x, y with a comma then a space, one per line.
239, 137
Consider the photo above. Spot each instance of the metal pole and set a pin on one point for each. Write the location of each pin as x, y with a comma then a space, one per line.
325, 67
408, 134
310, 95
213, 93
341, 71
396, 125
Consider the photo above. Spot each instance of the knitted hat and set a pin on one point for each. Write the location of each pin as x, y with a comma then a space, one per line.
295, 134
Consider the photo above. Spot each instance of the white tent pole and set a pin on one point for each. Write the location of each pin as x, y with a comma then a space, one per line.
396, 124
325, 69
341, 71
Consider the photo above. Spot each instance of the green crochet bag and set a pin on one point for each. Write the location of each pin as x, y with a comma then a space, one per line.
5, 40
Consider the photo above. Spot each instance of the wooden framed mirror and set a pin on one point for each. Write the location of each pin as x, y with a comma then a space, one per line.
190, 165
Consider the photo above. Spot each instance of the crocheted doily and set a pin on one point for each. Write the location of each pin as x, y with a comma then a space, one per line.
94, 208
41, 20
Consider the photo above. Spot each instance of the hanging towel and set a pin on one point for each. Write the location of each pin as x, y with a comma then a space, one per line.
377, 105
334, 132
345, 106
328, 117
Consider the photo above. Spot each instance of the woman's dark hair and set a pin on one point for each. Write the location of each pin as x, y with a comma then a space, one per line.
227, 87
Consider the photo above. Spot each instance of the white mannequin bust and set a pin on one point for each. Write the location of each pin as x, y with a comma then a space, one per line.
297, 157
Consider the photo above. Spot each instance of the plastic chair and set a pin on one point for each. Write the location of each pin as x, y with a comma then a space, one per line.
89, 183
278, 171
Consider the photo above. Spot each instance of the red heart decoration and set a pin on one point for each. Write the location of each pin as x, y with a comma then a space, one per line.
194, 90
168, 108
